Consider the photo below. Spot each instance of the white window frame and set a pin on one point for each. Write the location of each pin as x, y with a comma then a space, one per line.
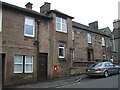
103, 41
63, 50
61, 24
89, 38
73, 35
33, 27
0, 19
28, 64
18, 64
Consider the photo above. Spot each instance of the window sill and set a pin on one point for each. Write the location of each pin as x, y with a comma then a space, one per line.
23, 73
61, 59
29, 37
61, 32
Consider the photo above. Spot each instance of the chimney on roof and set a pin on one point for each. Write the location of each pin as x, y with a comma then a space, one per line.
94, 24
29, 6
116, 24
45, 8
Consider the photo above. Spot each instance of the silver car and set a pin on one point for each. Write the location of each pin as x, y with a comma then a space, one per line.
103, 69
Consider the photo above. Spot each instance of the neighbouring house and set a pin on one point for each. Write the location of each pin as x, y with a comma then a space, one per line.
90, 44
106, 30
44, 45
116, 41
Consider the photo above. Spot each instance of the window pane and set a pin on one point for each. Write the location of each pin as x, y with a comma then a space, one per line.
72, 35
64, 28
28, 29
61, 52
18, 68
103, 41
28, 59
29, 21
18, 59
63, 21
89, 38
0, 19
58, 26
28, 67
58, 19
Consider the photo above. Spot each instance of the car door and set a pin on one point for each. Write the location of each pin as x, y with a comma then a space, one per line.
107, 67
114, 69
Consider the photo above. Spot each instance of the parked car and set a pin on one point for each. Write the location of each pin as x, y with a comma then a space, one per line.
103, 69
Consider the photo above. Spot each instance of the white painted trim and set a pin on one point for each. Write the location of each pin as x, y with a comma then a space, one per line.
19, 64
63, 52
29, 64
61, 25
0, 19
33, 27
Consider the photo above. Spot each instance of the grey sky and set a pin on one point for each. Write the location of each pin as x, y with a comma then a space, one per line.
83, 11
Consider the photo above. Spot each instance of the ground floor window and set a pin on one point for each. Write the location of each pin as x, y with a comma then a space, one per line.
61, 50
23, 64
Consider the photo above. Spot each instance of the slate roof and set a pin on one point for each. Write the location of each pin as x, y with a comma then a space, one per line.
78, 25
23, 9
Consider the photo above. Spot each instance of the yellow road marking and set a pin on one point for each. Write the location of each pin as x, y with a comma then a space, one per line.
66, 85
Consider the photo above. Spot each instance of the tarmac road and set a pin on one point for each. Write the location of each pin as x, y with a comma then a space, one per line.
96, 82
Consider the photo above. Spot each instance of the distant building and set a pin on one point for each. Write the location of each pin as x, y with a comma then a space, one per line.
116, 41
106, 30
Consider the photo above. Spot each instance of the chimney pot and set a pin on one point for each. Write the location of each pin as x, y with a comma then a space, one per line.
94, 24
29, 6
45, 8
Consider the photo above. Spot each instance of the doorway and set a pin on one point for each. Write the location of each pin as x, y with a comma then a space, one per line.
90, 55
2, 68
42, 66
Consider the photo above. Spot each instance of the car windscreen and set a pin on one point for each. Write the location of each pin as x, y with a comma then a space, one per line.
96, 65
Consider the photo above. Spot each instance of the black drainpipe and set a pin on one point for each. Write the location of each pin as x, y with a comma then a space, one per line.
36, 43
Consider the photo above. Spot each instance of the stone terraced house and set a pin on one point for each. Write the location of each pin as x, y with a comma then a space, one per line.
36, 46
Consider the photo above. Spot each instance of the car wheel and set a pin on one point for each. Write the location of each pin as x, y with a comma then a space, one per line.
106, 74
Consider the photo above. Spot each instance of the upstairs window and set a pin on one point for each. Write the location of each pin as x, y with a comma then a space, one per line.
103, 41
61, 25
29, 28
0, 19
73, 35
61, 50
89, 38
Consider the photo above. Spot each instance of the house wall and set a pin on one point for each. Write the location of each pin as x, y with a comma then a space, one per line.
81, 45
56, 37
14, 42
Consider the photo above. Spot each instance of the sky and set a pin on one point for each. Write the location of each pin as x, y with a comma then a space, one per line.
83, 11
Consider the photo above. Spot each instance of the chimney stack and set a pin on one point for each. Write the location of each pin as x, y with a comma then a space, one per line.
116, 24
45, 8
94, 24
29, 6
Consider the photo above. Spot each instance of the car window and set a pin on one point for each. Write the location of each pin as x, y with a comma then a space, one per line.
106, 65
97, 65
111, 64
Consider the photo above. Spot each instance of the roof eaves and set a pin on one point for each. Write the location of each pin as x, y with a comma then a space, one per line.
78, 25
24, 10
56, 11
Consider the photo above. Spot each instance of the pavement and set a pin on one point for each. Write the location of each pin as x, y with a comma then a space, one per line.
53, 83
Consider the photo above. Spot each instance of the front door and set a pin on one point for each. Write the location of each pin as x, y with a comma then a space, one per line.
2, 68
90, 55
42, 66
